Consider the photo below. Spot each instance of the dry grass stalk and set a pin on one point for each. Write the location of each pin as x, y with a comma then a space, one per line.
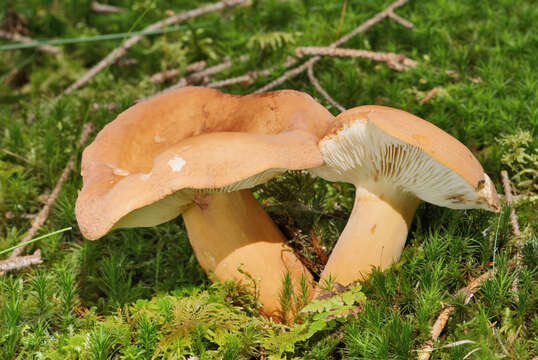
21, 261
44, 213
398, 62
17, 156
515, 231
122, 50
321, 90
105, 8
162, 76
24, 39
361, 28
468, 291
250, 76
509, 201
429, 95
456, 75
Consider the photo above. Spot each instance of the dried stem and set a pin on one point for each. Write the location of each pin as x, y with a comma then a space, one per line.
44, 213
321, 90
122, 50
442, 319
168, 74
361, 28
24, 39
21, 261
515, 231
400, 20
17, 156
250, 76
398, 62
199, 76
105, 8
509, 200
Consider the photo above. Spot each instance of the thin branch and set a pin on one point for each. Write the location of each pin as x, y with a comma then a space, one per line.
44, 213
400, 20
442, 319
515, 231
361, 28
21, 261
509, 200
429, 95
321, 90
105, 8
197, 77
168, 74
17, 156
250, 76
122, 50
398, 62
24, 39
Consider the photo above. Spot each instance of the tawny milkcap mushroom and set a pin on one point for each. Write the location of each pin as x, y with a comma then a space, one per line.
395, 160
196, 151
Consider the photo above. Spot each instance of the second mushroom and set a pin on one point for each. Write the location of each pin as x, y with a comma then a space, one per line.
395, 160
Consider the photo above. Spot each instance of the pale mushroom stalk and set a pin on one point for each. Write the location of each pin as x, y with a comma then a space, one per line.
230, 231
395, 160
375, 233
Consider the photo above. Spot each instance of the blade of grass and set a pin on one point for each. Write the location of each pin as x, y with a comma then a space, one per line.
35, 239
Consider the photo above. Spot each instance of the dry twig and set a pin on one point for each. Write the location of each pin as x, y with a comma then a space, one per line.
44, 213
24, 39
442, 319
21, 261
398, 62
321, 90
509, 200
429, 95
361, 28
17, 156
105, 8
122, 50
515, 231
250, 76
168, 74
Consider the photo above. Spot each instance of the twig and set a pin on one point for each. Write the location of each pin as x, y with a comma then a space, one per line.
17, 156
105, 8
250, 76
429, 95
199, 76
44, 213
21, 38
509, 200
21, 261
515, 231
400, 20
361, 28
168, 74
321, 90
442, 319
122, 50
398, 62
456, 75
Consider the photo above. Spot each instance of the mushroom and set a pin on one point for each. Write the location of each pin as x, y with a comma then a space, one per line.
395, 160
196, 151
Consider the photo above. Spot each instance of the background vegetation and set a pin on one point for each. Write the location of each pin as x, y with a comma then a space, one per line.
140, 294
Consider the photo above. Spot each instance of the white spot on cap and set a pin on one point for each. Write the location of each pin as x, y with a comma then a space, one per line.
146, 176
176, 163
120, 172
158, 139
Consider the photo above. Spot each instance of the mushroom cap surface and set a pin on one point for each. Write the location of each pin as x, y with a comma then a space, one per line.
372, 145
145, 167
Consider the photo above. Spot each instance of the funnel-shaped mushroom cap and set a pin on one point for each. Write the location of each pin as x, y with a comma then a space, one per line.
381, 145
145, 166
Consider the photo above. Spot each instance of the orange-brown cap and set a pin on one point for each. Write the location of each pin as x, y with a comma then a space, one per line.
387, 145
144, 167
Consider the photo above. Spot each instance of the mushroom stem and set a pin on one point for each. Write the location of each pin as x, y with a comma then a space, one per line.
375, 233
228, 230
